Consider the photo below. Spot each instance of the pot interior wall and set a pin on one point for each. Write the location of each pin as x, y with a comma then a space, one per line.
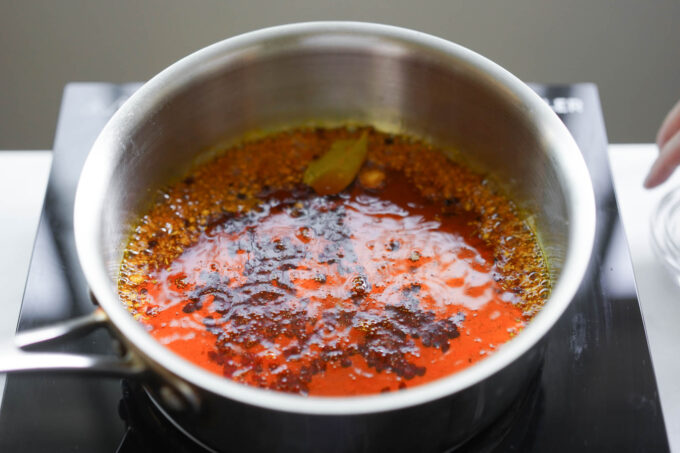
393, 86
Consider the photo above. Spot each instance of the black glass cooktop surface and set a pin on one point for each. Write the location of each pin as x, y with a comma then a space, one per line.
596, 390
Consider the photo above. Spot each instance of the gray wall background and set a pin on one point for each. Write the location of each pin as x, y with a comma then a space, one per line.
630, 48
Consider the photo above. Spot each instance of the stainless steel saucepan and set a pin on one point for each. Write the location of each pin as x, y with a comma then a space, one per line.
325, 72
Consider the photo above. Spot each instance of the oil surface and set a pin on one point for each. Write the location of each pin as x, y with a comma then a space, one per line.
384, 286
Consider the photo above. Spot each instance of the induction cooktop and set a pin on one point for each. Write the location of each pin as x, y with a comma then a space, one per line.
595, 392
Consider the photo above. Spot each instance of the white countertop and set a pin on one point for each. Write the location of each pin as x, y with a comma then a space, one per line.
23, 179
658, 294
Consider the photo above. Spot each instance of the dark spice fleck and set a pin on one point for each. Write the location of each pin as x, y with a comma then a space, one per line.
392, 246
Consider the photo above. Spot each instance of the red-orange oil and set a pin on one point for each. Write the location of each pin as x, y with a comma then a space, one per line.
417, 270
375, 291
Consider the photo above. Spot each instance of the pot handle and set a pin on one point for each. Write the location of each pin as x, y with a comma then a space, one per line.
14, 358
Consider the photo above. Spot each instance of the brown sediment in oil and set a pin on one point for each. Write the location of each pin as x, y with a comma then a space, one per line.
417, 270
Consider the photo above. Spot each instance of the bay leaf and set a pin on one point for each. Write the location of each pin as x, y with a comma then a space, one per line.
333, 171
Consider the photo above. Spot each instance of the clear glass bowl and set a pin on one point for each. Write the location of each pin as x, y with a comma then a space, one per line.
665, 225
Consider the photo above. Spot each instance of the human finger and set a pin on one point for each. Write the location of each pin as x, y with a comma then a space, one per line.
665, 164
670, 125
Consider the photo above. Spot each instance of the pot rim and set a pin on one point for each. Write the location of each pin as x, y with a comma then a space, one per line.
92, 187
